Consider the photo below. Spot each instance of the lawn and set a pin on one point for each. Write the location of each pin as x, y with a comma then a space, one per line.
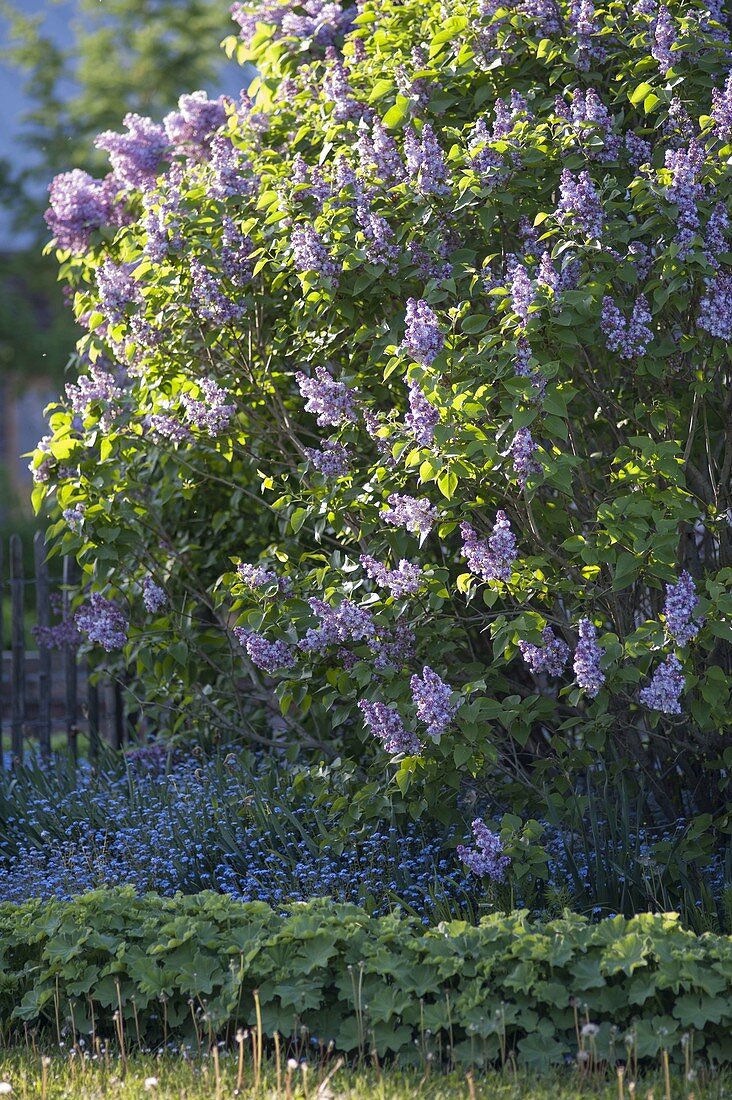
176, 1076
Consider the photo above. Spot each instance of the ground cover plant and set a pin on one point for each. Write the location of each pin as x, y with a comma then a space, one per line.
147, 970
405, 402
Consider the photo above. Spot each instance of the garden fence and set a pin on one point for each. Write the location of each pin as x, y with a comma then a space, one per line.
47, 693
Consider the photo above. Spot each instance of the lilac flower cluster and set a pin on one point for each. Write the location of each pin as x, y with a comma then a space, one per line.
629, 338
422, 416
385, 723
103, 622
234, 254
715, 237
678, 610
192, 127
308, 182
378, 153
310, 253
523, 452
667, 684
405, 580
337, 89
345, 623
153, 596
426, 166
434, 700
162, 224
74, 518
491, 558
415, 514
431, 263
685, 191
639, 150
586, 664
521, 290
487, 857
380, 246
584, 25
256, 576
208, 299
589, 115
138, 155
99, 385
117, 289
422, 337
63, 635
331, 402
79, 205
333, 460
268, 656
579, 204
722, 109
323, 23
211, 415
231, 170
551, 657
715, 307
663, 39
163, 426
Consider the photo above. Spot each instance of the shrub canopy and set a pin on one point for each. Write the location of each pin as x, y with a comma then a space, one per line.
406, 396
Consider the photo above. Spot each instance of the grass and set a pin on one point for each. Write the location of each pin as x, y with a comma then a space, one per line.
219, 1076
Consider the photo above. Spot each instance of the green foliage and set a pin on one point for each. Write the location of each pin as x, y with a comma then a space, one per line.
188, 965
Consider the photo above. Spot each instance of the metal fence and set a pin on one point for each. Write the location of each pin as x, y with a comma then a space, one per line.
47, 692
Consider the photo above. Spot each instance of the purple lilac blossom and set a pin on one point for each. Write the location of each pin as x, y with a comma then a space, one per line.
103, 622
74, 517
490, 558
678, 610
547, 275
426, 166
715, 308
431, 264
486, 858
665, 688
378, 151
686, 166
153, 596
422, 417
323, 23
663, 39
641, 257
163, 426
394, 649
310, 253
523, 451
256, 576
384, 722
584, 25
414, 514
98, 386
522, 290
629, 338
64, 635
231, 170
422, 337
587, 656
639, 150
136, 157
722, 109
579, 204
716, 234
551, 657
588, 109
333, 460
380, 246
486, 161
234, 254
117, 289
79, 205
405, 580
266, 655
337, 88
345, 623
434, 701
192, 127
208, 299
212, 414
331, 402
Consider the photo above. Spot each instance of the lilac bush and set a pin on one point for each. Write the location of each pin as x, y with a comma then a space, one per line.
408, 371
